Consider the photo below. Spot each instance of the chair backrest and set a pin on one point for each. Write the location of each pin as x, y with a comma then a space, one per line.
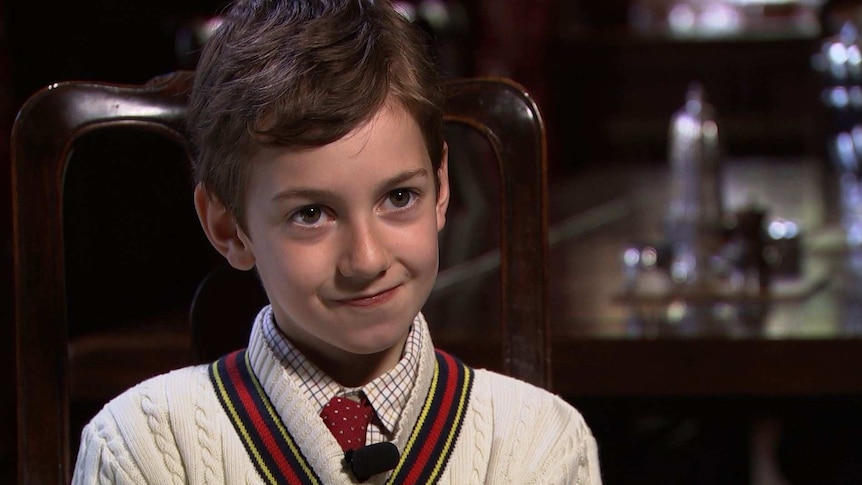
54, 119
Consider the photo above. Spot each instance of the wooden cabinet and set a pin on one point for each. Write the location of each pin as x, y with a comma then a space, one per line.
614, 95
614, 90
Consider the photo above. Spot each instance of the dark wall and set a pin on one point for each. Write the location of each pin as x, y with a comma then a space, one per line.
111, 40
7, 348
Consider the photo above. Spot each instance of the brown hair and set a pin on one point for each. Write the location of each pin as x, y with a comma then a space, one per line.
303, 73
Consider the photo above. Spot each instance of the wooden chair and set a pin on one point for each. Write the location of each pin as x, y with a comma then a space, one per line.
55, 120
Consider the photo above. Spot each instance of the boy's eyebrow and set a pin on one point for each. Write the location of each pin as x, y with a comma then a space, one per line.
389, 183
399, 179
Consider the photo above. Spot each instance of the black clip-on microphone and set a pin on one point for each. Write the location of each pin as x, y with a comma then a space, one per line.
370, 460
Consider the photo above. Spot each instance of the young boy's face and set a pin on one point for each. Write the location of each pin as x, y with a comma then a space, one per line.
344, 236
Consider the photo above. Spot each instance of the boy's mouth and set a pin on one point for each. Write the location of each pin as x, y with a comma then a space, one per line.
371, 300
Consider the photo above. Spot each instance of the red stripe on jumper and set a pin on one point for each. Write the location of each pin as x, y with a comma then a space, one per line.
257, 420
440, 419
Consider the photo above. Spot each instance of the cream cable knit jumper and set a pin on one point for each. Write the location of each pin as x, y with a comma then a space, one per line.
171, 430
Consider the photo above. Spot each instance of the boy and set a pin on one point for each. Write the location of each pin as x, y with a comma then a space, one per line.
321, 164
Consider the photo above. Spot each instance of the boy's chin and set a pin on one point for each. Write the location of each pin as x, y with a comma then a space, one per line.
377, 347
362, 362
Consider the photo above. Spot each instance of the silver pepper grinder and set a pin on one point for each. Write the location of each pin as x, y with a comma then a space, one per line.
694, 214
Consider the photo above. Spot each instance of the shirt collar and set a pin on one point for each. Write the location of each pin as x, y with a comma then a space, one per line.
388, 394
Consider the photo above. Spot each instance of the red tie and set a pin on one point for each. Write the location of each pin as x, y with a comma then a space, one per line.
348, 421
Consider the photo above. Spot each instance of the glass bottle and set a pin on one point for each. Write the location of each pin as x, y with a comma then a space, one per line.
694, 214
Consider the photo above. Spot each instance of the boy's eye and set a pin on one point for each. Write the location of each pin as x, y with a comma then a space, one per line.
400, 198
308, 216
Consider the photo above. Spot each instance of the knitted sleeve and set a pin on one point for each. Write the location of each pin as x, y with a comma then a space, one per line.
103, 458
571, 456
132, 440
538, 437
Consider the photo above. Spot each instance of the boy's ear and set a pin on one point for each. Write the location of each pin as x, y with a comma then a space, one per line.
443, 191
222, 230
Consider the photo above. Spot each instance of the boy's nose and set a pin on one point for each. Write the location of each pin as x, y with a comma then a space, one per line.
365, 255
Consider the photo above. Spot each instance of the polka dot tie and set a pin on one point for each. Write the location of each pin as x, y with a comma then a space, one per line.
348, 421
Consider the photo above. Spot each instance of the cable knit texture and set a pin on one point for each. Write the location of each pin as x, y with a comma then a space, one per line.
172, 429
208, 469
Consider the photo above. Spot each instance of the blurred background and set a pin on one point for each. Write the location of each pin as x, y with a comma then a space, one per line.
609, 76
